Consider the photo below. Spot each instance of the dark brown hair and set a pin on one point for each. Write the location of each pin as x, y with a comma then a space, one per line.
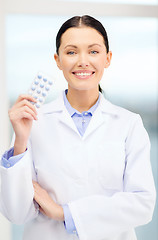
78, 21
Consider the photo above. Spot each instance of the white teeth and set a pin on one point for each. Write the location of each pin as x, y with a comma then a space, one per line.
83, 74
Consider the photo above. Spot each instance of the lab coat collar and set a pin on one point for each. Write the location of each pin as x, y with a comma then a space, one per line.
108, 107
99, 116
58, 106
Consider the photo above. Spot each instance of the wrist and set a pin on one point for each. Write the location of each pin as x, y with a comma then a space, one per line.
59, 213
19, 147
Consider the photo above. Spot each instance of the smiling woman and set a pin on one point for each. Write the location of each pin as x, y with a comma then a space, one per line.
85, 162
82, 62
83, 58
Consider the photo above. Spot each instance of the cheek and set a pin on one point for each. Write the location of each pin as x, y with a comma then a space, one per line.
99, 61
67, 63
100, 65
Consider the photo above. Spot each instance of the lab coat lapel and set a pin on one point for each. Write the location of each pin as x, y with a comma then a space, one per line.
57, 106
66, 119
101, 115
96, 121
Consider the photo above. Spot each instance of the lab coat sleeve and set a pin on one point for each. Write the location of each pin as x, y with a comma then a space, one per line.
8, 160
16, 191
99, 217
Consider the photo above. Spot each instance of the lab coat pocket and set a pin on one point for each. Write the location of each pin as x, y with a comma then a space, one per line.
111, 165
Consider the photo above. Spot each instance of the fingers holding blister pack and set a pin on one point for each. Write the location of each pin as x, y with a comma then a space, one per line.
24, 111
21, 115
23, 108
40, 88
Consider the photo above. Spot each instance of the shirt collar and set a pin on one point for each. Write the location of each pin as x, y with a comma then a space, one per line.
72, 110
58, 105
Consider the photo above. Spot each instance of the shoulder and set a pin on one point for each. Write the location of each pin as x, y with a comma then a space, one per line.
117, 111
125, 119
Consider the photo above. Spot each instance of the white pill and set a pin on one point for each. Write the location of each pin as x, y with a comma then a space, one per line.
33, 88
41, 85
44, 94
47, 88
50, 82
38, 91
39, 76
36, 81
41, 99
45, 79
37, 105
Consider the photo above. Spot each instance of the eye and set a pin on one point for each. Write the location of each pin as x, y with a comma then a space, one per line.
94, 52
71, 53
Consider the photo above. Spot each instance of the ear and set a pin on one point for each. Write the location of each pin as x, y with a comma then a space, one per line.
56, 57
108, 59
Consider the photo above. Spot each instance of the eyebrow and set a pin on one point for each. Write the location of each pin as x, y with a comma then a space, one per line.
70, 46
94, 45
88, 46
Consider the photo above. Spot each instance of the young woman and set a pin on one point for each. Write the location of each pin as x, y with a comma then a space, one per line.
82, 169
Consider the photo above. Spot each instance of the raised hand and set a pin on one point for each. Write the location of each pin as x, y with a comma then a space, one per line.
21, 115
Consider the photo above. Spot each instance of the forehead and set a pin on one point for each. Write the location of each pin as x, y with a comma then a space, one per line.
81, 35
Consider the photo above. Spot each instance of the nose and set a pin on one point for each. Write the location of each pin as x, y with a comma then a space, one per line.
83, 61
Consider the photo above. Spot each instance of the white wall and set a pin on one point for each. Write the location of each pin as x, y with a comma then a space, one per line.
61, 8
5, 231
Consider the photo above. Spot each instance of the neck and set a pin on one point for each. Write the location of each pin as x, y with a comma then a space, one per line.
82, 100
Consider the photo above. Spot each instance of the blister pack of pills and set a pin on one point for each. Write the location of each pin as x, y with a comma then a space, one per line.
40, 88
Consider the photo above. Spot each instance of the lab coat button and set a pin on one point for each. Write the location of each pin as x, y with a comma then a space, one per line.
8, 165
74, 231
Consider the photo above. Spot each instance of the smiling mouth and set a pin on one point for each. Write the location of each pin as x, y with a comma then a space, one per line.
83, 74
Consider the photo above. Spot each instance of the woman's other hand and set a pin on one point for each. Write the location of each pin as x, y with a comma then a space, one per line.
46, 204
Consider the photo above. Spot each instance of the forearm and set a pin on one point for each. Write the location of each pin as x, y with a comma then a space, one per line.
19, 146
17, 192
47, 205
58, 214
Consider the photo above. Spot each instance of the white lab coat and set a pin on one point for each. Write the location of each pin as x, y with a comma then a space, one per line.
105, 176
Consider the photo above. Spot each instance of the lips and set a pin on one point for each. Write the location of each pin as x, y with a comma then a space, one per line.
83, 73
